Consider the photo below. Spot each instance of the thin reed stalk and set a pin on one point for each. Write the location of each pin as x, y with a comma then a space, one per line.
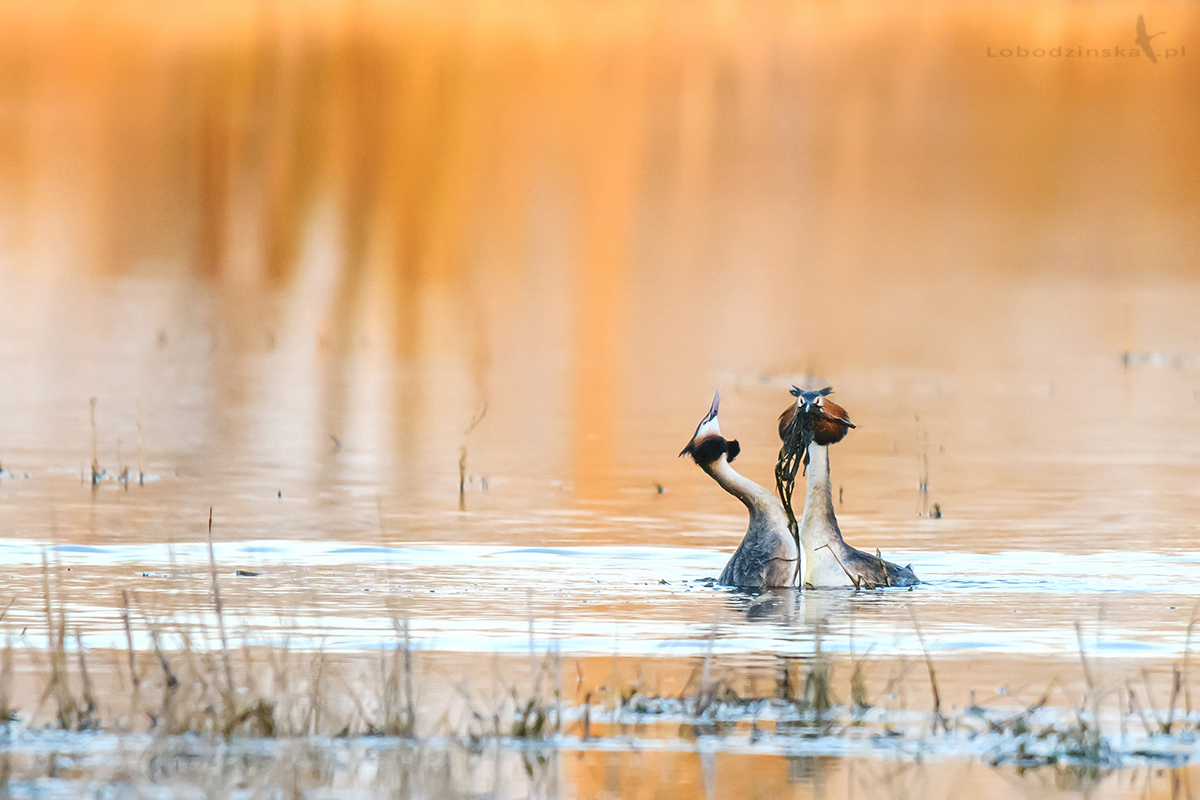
7, 712
218, 608
938, 717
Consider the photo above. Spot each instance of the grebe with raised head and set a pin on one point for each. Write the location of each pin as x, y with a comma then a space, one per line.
767, 556
826, 559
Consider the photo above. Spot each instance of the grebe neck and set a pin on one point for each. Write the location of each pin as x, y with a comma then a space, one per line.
755, 497
819, 523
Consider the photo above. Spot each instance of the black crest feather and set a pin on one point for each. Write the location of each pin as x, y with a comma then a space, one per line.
707, 450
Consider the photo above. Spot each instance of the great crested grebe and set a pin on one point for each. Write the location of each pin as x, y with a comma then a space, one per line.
826, 559
768, 554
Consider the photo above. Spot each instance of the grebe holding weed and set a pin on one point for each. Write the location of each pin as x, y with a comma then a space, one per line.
808, 428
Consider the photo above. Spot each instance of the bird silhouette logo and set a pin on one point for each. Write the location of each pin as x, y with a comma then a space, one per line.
1143, 40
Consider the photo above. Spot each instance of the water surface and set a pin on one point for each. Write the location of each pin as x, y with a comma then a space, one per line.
313, 269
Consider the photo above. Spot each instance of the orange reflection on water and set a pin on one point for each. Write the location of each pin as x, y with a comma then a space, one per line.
585, 218
294, 249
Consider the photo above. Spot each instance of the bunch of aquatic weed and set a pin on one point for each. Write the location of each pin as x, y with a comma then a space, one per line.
257, 715
301, 697
1084, 741
940, 720
803, 697
1187, 679
807, 699
1020, 727
511, 713
396, 703
1079, 742
859, 704
1176, 728
72, 713
538, 716
200, 691
818, 696
707, 697
7, 712
1181, 688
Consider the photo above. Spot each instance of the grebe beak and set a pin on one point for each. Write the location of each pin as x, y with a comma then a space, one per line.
709, 425
712, 411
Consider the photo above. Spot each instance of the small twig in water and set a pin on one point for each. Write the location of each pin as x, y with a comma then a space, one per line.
462, 458
95, 456
141, 472
155, 639
129, 642
1136, 706
1087, 670
216, 588
1187, 646
462, 479
87, 715
1092, 740
923, 486
853, 579
1176, 686
938, 717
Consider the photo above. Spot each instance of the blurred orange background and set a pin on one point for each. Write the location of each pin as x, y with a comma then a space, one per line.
589, 213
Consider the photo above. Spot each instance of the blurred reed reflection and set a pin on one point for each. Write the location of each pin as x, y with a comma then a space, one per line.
576, 211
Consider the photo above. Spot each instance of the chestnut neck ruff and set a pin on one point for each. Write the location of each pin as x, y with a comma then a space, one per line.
797, 435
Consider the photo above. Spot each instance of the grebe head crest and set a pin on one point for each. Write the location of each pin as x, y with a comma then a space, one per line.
806, 400
830, 421
707, 444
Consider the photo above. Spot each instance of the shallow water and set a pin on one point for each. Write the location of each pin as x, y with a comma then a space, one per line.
292, 270
649, 600
332, 768
1041, 529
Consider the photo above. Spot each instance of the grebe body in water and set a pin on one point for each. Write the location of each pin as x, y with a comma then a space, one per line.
826, 559
768, 555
